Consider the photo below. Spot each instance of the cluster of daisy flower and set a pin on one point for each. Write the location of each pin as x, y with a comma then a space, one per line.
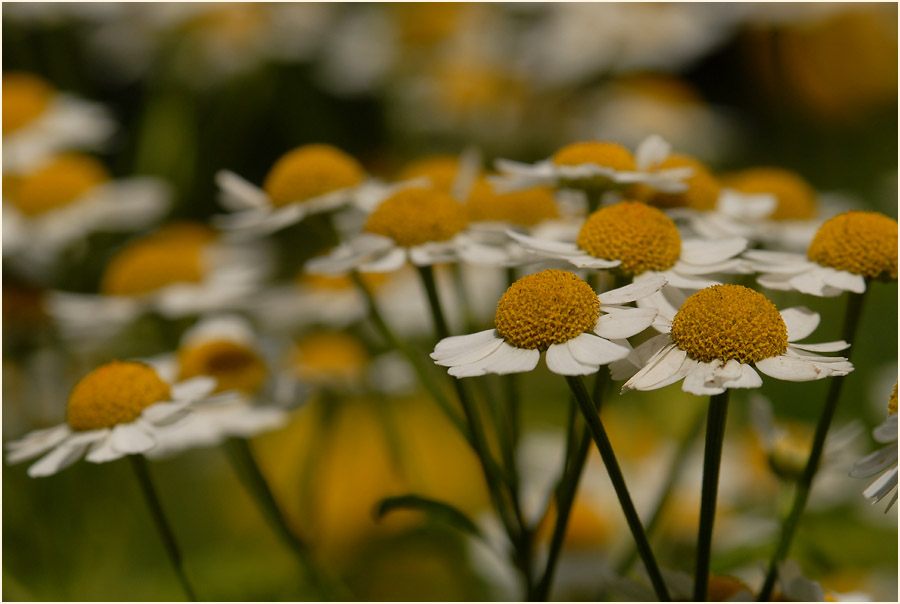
631, 264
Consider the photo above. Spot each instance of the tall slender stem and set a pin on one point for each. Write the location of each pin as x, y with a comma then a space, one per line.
434, 302
804, 485
598, 433
413, 358
142, 472
712, 460
244, 462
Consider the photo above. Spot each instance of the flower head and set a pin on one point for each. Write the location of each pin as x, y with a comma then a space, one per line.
555, 312
883, 460
121, 408
719, 334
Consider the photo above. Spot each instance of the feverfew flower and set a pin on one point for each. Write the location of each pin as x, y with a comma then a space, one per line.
588, 166
121, 408
555, 312
882, 459
307, 180
717, 336
846, 251
38, 121
66, 197
638, 240
418, 225
226, 349
180, 270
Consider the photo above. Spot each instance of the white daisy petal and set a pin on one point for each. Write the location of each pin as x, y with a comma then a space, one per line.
887, 431
87, 437
36, 443
875, 462
700, 380
624, 324
131, 438
643, 285
810, 282
165, 413
238, 193
591, 350
800, 322
686, 281
471, 355
823, 347
59, 458
670, 365
728, 371
509, 359
103, 451
882, 486
651, 152
193, 388
845, 281
556, 248
748, 379
387, 263
791, 369
774, 281
700, 251
561, 360
456, 344
637, 358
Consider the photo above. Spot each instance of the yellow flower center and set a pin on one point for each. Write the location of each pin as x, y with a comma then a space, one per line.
701, 194
610, 155
892, 403
727, 322
25, 97
173, 255
416, 216
56, 184
310, 171
329, 357
524, 208
549, 307
642, 237
721, 588
115, 393
863, 243
796, 198
235, 366
439, 169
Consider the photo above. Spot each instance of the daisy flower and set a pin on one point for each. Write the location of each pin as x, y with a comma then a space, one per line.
882, 459
846, 251
416, 225
180, 270
556, 312
226, 349
39, 121
307, 180
452, 174
121, 408
66, 197
591, 166
638, 240
719, 334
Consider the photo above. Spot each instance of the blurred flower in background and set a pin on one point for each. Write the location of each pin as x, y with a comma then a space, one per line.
275, 194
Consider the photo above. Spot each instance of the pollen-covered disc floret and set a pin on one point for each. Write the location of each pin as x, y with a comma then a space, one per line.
58, 183
796, 197
25, 97
863, 243
310, 171
235, 367
549, 307
640, 236
610, 155
892, 403
726, 322
416, 216
527, 207
115, 393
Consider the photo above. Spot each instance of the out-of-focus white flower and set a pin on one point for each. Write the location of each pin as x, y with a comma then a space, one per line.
64, 199
39, 121
883, 460
180, 270
121, 408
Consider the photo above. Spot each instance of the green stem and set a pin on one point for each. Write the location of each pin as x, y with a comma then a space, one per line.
247, 469
598, 433
413, 358
142, 472
577, 447
712, 460
672, 477
852, 317
434, 302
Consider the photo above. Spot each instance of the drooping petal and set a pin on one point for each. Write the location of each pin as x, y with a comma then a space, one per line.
845, 280
748, 378
800, 322
791, 369
875, 462
591, 350
701, 381
887, 430
36, 443
638, 358
705, 251
643, 285
456, 344
131, 438
625, 323
504, 358
667, 366
881, 487
102, 451
812, 283
561, 360
471, 355
59, 458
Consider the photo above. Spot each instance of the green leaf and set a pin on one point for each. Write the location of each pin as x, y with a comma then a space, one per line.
432, 507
